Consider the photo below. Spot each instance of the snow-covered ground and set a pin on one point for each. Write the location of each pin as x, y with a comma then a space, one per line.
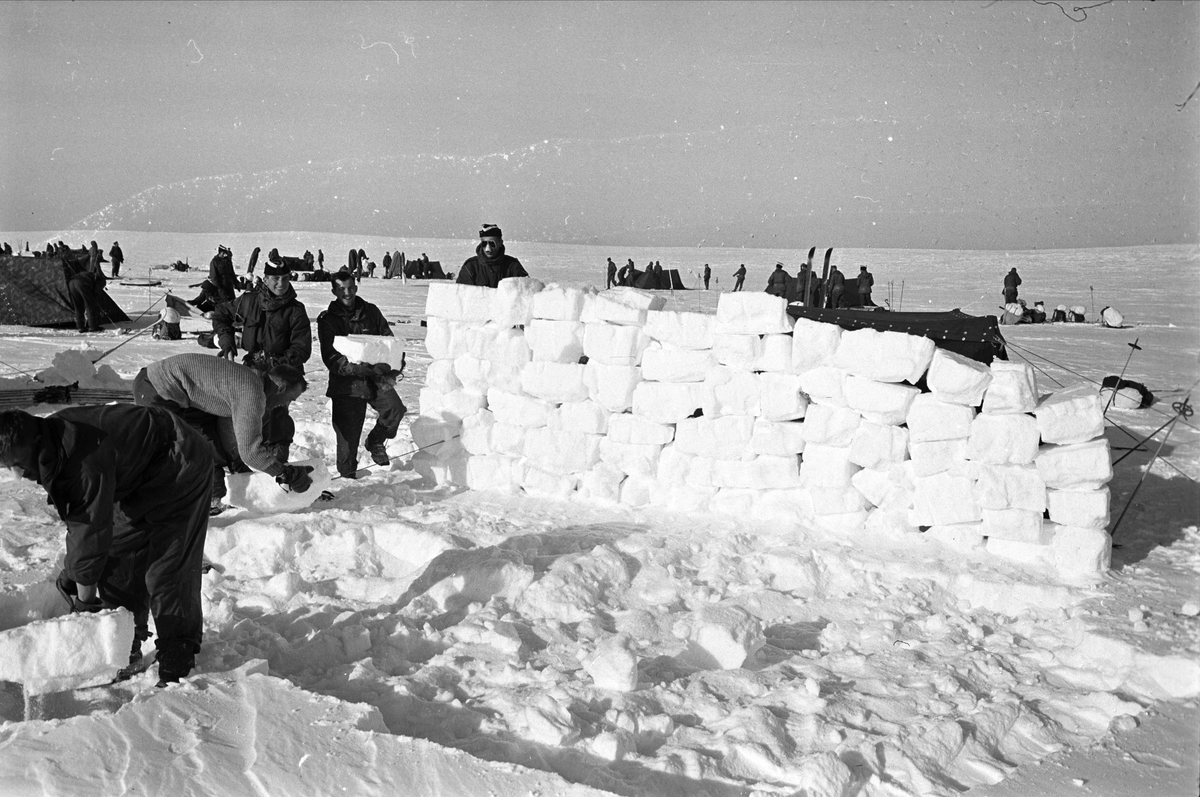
404, 637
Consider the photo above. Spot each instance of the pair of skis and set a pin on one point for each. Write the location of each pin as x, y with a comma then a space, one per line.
823, 284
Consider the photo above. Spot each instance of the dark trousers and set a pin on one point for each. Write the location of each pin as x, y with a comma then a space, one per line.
82, 292
737, 286
203, 422
835, 296
1010, 295
706, 281
116, 268
350, 412
866, 298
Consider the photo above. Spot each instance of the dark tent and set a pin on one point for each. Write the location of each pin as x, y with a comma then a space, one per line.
977, 337
33, 292
424, 269
650, 281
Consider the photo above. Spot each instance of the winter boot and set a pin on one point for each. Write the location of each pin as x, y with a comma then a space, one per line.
378, 452
175, 661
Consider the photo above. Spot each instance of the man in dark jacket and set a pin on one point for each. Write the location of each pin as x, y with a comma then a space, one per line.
117, 257
1012, 281
837, 287
490, 264
275, 331
611, 275
865, 283
707, 275
740, 277
222, 276
147, 557
83, 289
777, 282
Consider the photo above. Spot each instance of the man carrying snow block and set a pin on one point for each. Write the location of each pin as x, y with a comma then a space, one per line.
353, 385
147, 558
226, 403
490, 264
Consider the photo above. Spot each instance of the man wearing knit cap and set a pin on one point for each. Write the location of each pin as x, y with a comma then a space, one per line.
490, 264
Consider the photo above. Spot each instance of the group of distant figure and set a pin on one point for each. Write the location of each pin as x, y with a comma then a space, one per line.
1016, 311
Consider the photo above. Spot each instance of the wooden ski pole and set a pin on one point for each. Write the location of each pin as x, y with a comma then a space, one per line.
1112, 396
901, 296
1183, 409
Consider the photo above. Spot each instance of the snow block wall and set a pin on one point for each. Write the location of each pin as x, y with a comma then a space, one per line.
605, 397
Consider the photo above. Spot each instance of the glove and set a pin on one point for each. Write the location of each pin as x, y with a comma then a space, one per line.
359, 369
70, 592
229, 353
296, 478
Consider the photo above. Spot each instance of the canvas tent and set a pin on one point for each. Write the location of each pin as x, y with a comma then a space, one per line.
33, 292
977, 337
649, 281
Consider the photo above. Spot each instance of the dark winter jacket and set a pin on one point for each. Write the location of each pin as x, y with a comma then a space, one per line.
275, 329
836, 279
220, 274
777, 282
116, 255
480, 271
346, 378
865, 282
1012, 280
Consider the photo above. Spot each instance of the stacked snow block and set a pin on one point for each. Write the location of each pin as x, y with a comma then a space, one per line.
605, 397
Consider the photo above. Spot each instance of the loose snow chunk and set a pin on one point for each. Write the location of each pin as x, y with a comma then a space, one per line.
1013, 389
776, 355
825, 384
938, 456
601, 485
639, 460
626, 428
440, 378
1019, 525
751, 313
261, 494
613, 344
371, 349
1080, 553
737, 351
1074, 415
831, 426
876, 445
681, 330
1010, 487
1003, 439
884, 356
668, 402
721, 637
561, 452
580, 416
66, 652
837, 501
555, 341
430, 432
458, 302
625, 306
930, 419
726, 437
942, 499
518, 410
1086, 509
881, 402
676, 365
612, 386
823, 465
814, 344
762, 472
512, 303
774, 437
780, 397
494, 473
544, 484
558, 303
1063, 467
732, 392
956, 379
613, 666
555, 382
453, 406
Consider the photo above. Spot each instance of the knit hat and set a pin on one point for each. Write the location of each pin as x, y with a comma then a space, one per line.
490, 231
276, 269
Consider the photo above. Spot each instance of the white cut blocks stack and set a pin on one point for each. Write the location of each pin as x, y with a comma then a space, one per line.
605, 397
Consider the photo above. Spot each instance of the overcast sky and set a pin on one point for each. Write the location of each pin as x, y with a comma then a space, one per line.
981, 125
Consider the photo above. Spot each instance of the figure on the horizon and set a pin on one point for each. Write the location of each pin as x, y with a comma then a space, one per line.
707, 275
490, 264
624, 273
1012, 281
777, 282
222, 277
837, 288
611, 275
865, 283
740, 275
117, 257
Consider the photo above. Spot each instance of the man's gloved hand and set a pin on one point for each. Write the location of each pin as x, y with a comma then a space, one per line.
381, 369
68, 589
295, 477
229, 353
359, 369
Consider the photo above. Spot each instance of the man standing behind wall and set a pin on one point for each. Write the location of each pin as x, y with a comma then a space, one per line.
490, 264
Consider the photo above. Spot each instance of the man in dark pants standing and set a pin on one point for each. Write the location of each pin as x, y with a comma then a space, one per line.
1012, 281
147, 557
611, 274
866, 281
117, 257
707, 275
740, 277
837, 287
353, 386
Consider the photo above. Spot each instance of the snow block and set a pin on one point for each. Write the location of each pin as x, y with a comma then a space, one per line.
1064, 467
580, 416
456, 302
751, 313
554, 382
837, 500
681, 330
791, 505
505, 346
762, 472
877, 445
1088, 509
721, 637
884, 356
635, 429
261, 494
684, 499
814, 344
726, 437
1074, 415
544, 484
955, 379
440, 377
1010, 487
1018, 525
668, 402
453, 406
1003, 439
1079, 553
842, 524
676, 365
507, 439
780, 397
826, 466
930, 419
601, 485
1013, 389
776, 355
66, 652
445, 339
728, 391
737, 503
959, 536
494, 473
612, 386
880, 402
561, 452
371, 349
831, 426
825, 384
890, 523
636, 490
555, 341
737, 351
938, 456
1022, 553
613, 344
942, 500
630, 458
777, 437
475, 433
512, 303
470, 372
518, 410
624, 306
558, 303
431, 433
677, 470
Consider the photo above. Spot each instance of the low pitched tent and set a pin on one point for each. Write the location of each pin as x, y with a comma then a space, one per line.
33, 292
977, 337
651, 281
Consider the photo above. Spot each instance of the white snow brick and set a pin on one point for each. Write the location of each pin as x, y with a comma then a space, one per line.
440, 377
736, 503
737, 351
676, 365
679, 470
1010, 487
429, 433
958, 536
624, 306
504, 346
1003, 439
752, 313
890, 523
842, 524
555, 341
825, 384
612, 386
721, 637
457, 302
834, 500
512, 303
541, 483
890, 489
1074, 415
554, 382
371, 349
1077, 465
669, 402
558, 303
453, 406
943, 499
475, 434
884, 356
814, 344
728, 391
627, 428
1018, 525
561, 452
791, 505
1023, 553
636, 490
681, 330
780, 397
777, 437
66, 652
501, 376
726, 437
776, 355
471, 373
824, 465
1079, 553
1013, 389
261, 494
580, 416
880, 402
601, 485
494, 473
938, 456
518, 410
930, 419
445, 339
762, 472
613, 344
636, 460
683, 499
613, 666
956, 379
831, 426
877, 445
1087, 509
506, 439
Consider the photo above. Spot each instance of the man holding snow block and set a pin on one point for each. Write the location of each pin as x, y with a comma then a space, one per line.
354, 385
490, 264
147, 557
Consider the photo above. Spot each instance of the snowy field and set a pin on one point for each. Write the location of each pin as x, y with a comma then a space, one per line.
403, 638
